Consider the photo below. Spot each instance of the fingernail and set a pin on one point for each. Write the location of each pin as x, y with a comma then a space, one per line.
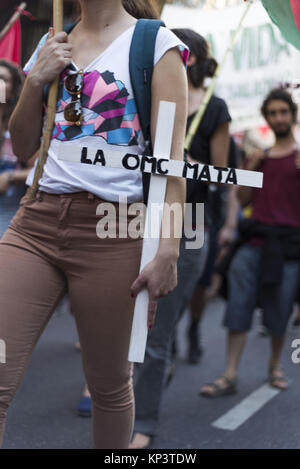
150, 327
132, 295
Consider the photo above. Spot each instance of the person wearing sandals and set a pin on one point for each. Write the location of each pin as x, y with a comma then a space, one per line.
52, 245
210, 146
266, 266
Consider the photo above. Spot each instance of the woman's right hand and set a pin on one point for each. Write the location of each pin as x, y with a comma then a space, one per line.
53, 57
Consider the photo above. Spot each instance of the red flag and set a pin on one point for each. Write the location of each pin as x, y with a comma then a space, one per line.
10, 45
296, 10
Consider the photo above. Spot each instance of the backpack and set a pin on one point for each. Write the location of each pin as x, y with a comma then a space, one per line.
141, 58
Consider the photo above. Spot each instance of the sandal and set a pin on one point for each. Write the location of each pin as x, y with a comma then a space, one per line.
273, 379
218, 390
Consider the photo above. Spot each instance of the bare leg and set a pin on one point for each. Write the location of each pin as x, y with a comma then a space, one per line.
235, 346
296, 321
274, 366
197, 303
140, 441
197, 306
86, 392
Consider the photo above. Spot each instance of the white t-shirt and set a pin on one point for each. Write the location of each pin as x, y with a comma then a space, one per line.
110, 121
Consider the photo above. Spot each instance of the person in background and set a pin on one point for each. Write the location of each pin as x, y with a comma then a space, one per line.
210, 146
222, 231
12, 173
266, 266
296, 319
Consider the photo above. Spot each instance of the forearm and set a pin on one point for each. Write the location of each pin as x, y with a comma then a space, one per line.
233, 207
219, 145
19, 175
2, 127
253, 163
25, 124
245, 195
172, 221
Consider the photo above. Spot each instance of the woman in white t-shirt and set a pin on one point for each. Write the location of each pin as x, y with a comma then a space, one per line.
52, 238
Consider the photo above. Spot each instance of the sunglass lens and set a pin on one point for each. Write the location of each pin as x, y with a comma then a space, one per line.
74, 83
73, 112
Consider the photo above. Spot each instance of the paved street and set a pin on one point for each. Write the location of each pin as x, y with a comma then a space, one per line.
43, 413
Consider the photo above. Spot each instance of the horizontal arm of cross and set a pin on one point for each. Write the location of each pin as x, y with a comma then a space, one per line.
159, 165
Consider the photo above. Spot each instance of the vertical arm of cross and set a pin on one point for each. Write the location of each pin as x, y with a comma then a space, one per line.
157, 192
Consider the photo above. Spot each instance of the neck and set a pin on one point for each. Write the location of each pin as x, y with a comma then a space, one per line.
97, 14
195, 97
284, 143
2, 113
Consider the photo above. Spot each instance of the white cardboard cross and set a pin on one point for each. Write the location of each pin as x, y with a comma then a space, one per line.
157, 192
160, 166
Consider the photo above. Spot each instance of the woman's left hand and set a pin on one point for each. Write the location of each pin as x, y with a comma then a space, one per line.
5, 179
160, 278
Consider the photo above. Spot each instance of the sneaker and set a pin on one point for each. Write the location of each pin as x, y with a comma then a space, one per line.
296, 322
195, 354
84, 408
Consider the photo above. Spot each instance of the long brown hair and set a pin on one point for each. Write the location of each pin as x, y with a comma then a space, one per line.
138, 8
141, 8
205, 65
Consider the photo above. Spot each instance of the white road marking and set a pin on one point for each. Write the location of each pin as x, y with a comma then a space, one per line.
235, 417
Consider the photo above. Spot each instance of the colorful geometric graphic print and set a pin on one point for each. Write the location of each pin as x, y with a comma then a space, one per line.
107, 111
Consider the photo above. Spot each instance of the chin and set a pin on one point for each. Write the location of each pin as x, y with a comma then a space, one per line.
282, 133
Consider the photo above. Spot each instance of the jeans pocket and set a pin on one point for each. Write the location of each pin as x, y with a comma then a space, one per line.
25, 200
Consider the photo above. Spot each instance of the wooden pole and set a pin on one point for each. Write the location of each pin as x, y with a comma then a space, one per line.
210, 90
12, 20
51, 107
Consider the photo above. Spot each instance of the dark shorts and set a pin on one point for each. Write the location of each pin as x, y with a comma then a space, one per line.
243, 293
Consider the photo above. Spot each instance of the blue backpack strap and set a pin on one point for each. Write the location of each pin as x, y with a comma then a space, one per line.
141, 60
68, 27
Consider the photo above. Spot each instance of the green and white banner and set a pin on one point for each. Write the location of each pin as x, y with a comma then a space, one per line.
261, 58
286, 15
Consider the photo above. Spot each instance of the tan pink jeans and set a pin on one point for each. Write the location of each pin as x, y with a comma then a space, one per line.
51, 247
